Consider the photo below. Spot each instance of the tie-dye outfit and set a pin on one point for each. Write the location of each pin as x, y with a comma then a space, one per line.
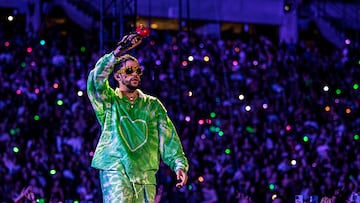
134, 137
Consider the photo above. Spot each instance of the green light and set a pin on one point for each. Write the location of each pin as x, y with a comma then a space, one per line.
52, 171
306, 138
15, 149
338, 91
36, 117
227, 151
41, 200
190, 187
359, 62
23, 64
42, 42
75, 201
82, 49
221, 133
250, 129
60, 102
356, 86
217, 129
212, 128
271, 186
12, 131
356, 137
212, 114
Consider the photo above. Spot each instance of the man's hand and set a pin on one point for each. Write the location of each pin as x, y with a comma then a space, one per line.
127, 43
182, 176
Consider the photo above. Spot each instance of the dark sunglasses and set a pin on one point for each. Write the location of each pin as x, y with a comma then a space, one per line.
130, 70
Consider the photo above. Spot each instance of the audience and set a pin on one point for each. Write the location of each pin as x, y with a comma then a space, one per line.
259, 121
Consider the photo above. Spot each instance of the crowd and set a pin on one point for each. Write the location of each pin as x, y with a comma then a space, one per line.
259, 121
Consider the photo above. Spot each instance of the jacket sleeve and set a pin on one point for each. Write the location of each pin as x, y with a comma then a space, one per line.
171, 149
98, 88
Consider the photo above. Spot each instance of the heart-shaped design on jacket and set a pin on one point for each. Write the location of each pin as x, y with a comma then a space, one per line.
133, 132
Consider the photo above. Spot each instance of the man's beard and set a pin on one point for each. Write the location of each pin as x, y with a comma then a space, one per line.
129, 86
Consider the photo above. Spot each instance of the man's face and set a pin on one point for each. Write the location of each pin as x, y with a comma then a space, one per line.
130, 75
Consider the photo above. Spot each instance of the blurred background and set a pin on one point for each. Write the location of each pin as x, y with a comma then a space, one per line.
264, 95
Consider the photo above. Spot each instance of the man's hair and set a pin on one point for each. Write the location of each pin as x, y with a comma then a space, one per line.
121, 61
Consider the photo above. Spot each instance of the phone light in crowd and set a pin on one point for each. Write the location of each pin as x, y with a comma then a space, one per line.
265, 106
16, 149
306, 138
18, 91
337, 100
7, 44
12, 131
271, 186
80, 93
327, 108
347, 110
158, 62
184, 63
29, 50
227, 151
208, 121
37, 90
237, 49
338, 91
190, 58
200, 179
55, 85
250, 129
59, 102
288, 127
52, 172
190, 94
91, 153
293, 162
241, 97
255, 63
36, 117
10, 18
356, 137
347, 41
206, 58
247, 108
274, 196
40, 200
356, 86
235, 63
326, 88
201, 122
42, 42
187, 118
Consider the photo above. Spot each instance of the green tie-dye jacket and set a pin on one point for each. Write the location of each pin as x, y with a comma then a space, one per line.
134, 136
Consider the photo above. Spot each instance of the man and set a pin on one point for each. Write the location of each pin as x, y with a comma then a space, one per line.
136, 131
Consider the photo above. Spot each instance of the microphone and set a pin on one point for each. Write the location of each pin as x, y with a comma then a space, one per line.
140, 32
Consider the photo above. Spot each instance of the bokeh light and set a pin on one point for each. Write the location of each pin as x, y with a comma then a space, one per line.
16, 149
52, 172
227, 151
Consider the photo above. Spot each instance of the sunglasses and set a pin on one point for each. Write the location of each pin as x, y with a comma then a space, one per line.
128, 70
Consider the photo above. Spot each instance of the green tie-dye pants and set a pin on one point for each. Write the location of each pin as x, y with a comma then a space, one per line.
117, 188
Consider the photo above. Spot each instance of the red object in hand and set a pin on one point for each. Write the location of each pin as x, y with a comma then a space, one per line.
142, 30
